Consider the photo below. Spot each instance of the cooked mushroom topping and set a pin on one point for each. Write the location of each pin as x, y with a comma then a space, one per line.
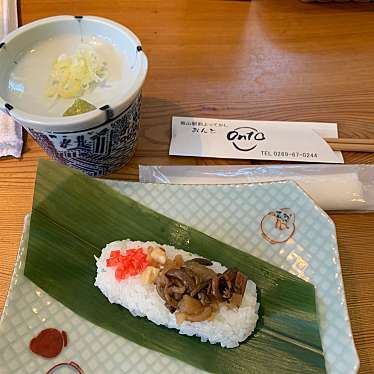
240, 283
213, 288
183, 276
199, 286
161, 283
178, 261
205, 314
157, 254
169, 264
203, 298
194, 291
223, 286
214, 305
176, 289
236, 300
229, 276
172, 285
202, 261
180, 317
171, 302
204, 273
149, 275
189, 305
177, 292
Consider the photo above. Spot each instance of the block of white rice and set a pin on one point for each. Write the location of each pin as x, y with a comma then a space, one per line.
229, 327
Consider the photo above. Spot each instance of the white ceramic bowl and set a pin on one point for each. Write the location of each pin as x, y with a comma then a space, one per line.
96, 142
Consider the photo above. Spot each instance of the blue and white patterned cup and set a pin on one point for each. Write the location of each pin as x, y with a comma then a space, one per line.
97, 142
96, 151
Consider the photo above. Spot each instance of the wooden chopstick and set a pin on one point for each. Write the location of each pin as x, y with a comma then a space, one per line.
351, 145
350, 141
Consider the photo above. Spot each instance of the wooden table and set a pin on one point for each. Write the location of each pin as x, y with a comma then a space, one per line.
265, 59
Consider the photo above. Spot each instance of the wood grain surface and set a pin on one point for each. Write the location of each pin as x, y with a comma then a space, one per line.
264, 60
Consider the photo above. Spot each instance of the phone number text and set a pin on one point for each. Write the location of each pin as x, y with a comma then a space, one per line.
289, 154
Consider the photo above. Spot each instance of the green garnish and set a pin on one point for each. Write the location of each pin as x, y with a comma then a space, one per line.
79, 106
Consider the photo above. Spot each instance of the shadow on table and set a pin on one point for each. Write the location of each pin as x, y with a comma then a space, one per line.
299, 5
156, 119
306, 27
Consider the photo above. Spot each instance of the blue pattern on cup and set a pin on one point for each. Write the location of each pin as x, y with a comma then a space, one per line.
96, 151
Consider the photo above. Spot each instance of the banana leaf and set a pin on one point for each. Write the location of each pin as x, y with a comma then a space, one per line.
74, 216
